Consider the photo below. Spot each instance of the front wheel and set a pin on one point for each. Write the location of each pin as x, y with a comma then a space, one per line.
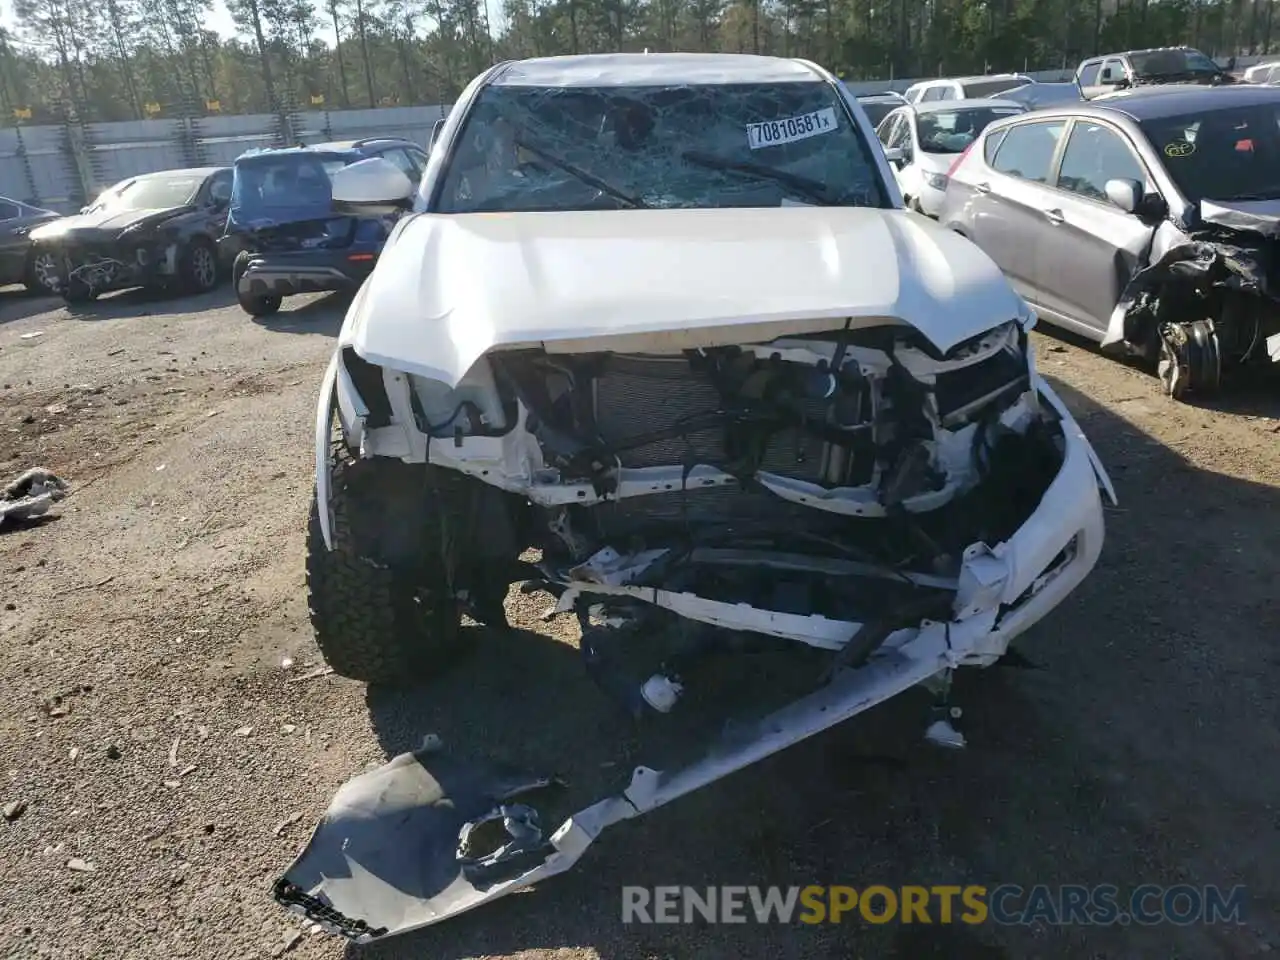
198, 268
1190, 360
42, 272
380, 601
254, 305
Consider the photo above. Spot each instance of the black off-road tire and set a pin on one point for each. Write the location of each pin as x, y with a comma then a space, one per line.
260, 306
382, 621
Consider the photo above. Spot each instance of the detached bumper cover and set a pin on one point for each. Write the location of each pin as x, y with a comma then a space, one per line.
308, 271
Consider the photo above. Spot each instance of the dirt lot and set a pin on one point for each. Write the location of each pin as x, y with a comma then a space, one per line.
146, 721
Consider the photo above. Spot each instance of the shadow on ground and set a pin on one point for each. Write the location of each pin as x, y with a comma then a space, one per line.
17, 303
1252, 390
1142, 751
323, 315
145, 302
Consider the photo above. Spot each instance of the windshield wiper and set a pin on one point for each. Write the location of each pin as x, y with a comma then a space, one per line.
578, 173
813, 189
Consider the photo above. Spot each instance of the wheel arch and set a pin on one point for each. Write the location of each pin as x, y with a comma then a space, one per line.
324, 436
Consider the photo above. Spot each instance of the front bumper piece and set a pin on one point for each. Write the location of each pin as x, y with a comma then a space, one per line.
390, 854
309, 271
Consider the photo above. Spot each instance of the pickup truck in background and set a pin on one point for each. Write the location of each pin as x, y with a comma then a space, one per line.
1121, 71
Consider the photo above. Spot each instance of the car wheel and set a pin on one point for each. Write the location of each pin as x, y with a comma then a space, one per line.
255, 306
1190, 361
380, 602
42, 272
198, 270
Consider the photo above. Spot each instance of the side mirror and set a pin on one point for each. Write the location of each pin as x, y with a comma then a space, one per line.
1125, 194
894, 155
372, 187
1109, 76
436, 128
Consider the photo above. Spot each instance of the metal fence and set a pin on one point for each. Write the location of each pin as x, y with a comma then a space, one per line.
63, 167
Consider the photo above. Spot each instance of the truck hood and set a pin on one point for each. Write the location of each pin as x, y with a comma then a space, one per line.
103, 222
450, 288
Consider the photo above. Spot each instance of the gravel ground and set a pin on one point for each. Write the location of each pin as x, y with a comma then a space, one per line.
147, 724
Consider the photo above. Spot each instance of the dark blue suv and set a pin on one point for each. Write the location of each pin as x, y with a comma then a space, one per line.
282, 236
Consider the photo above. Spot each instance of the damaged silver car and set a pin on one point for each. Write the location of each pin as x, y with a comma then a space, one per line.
1147, 221
660, 339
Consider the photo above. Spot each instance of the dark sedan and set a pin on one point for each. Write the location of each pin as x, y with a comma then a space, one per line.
1148, 221
18, 264
155, 230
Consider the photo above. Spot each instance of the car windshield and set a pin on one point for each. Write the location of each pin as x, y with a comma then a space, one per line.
1221, 154
150, 193
1169, 63
729, 145
951, 131
283, 186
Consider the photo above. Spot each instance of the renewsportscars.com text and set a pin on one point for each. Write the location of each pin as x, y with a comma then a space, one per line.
1005, 904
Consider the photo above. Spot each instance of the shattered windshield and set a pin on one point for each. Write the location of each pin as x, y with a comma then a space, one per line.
1171, 63
951, 131
150, 193
1221, 154
283, 187
592, 148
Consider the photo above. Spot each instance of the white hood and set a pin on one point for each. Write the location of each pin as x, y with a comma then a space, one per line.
450, 288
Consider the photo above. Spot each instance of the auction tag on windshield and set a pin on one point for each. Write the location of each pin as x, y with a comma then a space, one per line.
772, 133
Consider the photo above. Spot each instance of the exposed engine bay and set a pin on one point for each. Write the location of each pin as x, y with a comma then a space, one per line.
848, 444
862, 510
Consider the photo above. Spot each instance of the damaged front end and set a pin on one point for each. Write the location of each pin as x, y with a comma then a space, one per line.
1206, 303
878, 510
94, 264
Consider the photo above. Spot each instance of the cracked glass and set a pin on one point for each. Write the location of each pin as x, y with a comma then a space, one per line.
618, 147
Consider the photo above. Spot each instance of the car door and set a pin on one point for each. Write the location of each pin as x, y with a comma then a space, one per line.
1091, 247
1009, 195
1087, 77
897, 136
1113, 76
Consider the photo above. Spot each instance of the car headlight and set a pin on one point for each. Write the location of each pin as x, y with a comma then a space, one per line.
936, 180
